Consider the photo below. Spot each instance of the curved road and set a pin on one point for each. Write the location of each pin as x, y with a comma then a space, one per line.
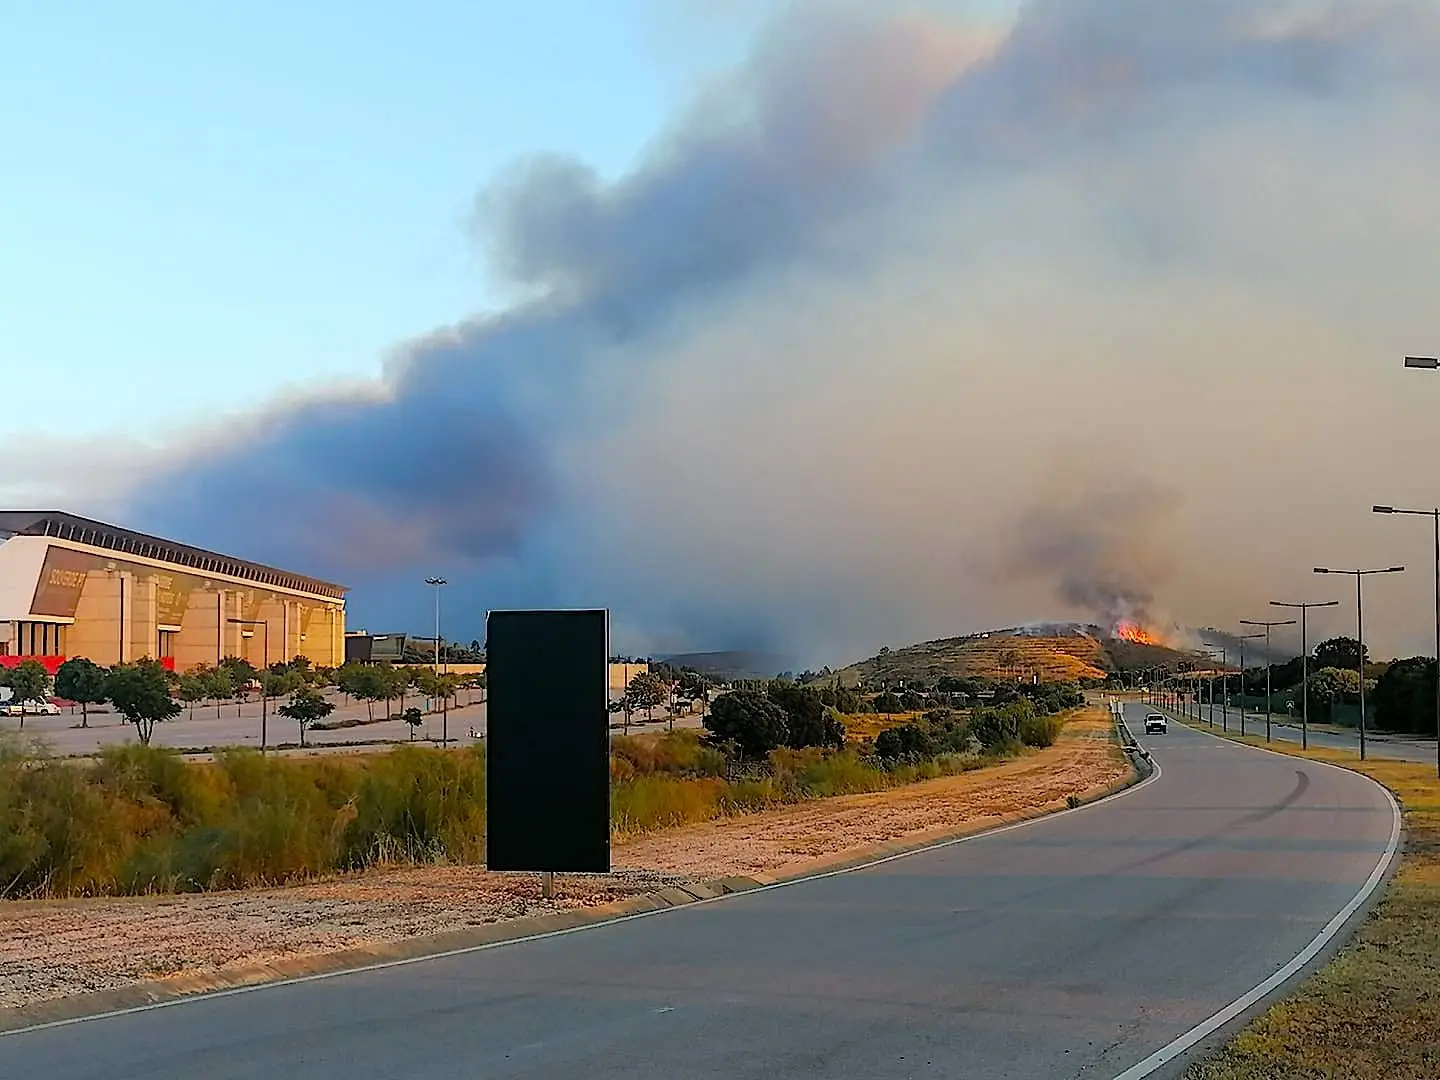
1075, 946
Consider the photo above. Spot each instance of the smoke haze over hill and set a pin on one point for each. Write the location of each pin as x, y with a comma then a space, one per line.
852, 356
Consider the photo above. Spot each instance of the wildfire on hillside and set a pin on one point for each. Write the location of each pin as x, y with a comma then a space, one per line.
1130, 631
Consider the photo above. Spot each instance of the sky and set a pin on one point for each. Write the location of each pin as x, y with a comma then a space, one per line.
807, 326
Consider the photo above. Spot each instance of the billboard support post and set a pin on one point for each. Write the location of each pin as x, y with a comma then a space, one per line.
547, 884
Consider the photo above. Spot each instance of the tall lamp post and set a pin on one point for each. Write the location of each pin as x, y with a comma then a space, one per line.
438, 583
1435, 514
1304, 610
1242, 638
264, 668
1224, 652
1209, 654
1269, 662
1360, 576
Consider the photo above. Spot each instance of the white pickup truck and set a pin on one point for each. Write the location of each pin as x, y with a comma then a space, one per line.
1155, 724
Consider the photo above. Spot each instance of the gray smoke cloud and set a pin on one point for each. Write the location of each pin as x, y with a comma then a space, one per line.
1105, 549
804, 377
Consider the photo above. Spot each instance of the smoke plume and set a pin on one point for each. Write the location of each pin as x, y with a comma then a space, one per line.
794, 380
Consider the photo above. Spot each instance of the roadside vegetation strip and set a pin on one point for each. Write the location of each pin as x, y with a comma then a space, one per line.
101, 954
1372, 1013
139, 819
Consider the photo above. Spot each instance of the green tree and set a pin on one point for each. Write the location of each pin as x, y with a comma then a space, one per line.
750, 720
193, 687
808, 720
83, 681
646, 690
277, 684
30, 683
1340, 652
888, 702
141, 693
1331, 686
219, 684
1405, 696
307, 706
414, 717
242, 673
394, 682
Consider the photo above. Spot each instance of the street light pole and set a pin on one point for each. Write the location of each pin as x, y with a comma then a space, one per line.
1434, 514
1269, 663
264, 670
1242, 638
1304, 610
1360, 576
437, 583
1209, 654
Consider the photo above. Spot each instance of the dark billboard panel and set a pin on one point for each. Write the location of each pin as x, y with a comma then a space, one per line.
548, 741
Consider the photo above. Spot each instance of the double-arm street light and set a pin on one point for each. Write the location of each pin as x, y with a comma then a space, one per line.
1224, 652
1435, 514
264, 667
1242, 638
1360, 576
1269, 663
1209, 654
1430, 363
1304, 610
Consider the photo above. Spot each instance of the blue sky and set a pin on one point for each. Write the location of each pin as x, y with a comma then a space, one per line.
198, 210
202, 205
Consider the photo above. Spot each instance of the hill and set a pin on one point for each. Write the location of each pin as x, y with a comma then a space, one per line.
736, 664
1053, 654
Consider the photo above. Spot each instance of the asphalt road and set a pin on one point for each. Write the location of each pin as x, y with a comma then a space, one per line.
1398, 747
1075, 946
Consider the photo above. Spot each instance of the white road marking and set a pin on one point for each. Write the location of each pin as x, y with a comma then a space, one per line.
472, 949
1205, 1028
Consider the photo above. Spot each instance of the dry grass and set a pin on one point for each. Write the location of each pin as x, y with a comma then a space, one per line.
862, 726
1374, 1012
51, 949
1054, 659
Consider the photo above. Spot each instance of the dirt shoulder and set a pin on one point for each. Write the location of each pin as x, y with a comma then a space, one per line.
57, 949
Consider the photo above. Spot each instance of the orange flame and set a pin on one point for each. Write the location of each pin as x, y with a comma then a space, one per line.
1138, 634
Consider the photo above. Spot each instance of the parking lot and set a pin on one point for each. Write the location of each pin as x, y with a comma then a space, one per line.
239, 724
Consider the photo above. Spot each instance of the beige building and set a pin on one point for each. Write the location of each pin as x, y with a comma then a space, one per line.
70, 586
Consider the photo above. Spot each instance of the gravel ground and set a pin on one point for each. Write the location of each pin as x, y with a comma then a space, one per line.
51, 949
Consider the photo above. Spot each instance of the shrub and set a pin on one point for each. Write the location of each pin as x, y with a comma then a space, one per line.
750, 720
1040, 730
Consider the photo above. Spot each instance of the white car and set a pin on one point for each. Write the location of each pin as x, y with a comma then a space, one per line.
33, 708
1155, 724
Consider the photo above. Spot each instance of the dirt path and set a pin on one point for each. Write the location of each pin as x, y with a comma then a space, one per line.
51, 949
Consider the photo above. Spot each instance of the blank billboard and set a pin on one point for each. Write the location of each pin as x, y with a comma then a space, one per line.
548, 741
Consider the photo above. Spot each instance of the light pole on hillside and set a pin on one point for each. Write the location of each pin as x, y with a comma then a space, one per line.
1269, 662
438, 583
1242, 638
1435, 514
264, 668
1360, 576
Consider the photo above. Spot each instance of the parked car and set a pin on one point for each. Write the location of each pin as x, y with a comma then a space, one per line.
32, 708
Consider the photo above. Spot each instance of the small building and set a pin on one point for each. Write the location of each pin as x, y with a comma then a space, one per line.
70, 586
365, 648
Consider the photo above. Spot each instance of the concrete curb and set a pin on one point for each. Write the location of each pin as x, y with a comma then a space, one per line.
155, 992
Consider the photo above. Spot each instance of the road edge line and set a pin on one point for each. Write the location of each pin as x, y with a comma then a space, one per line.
1189, 1039
1137, 782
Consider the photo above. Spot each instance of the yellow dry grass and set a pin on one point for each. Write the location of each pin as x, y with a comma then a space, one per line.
1374, 1012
